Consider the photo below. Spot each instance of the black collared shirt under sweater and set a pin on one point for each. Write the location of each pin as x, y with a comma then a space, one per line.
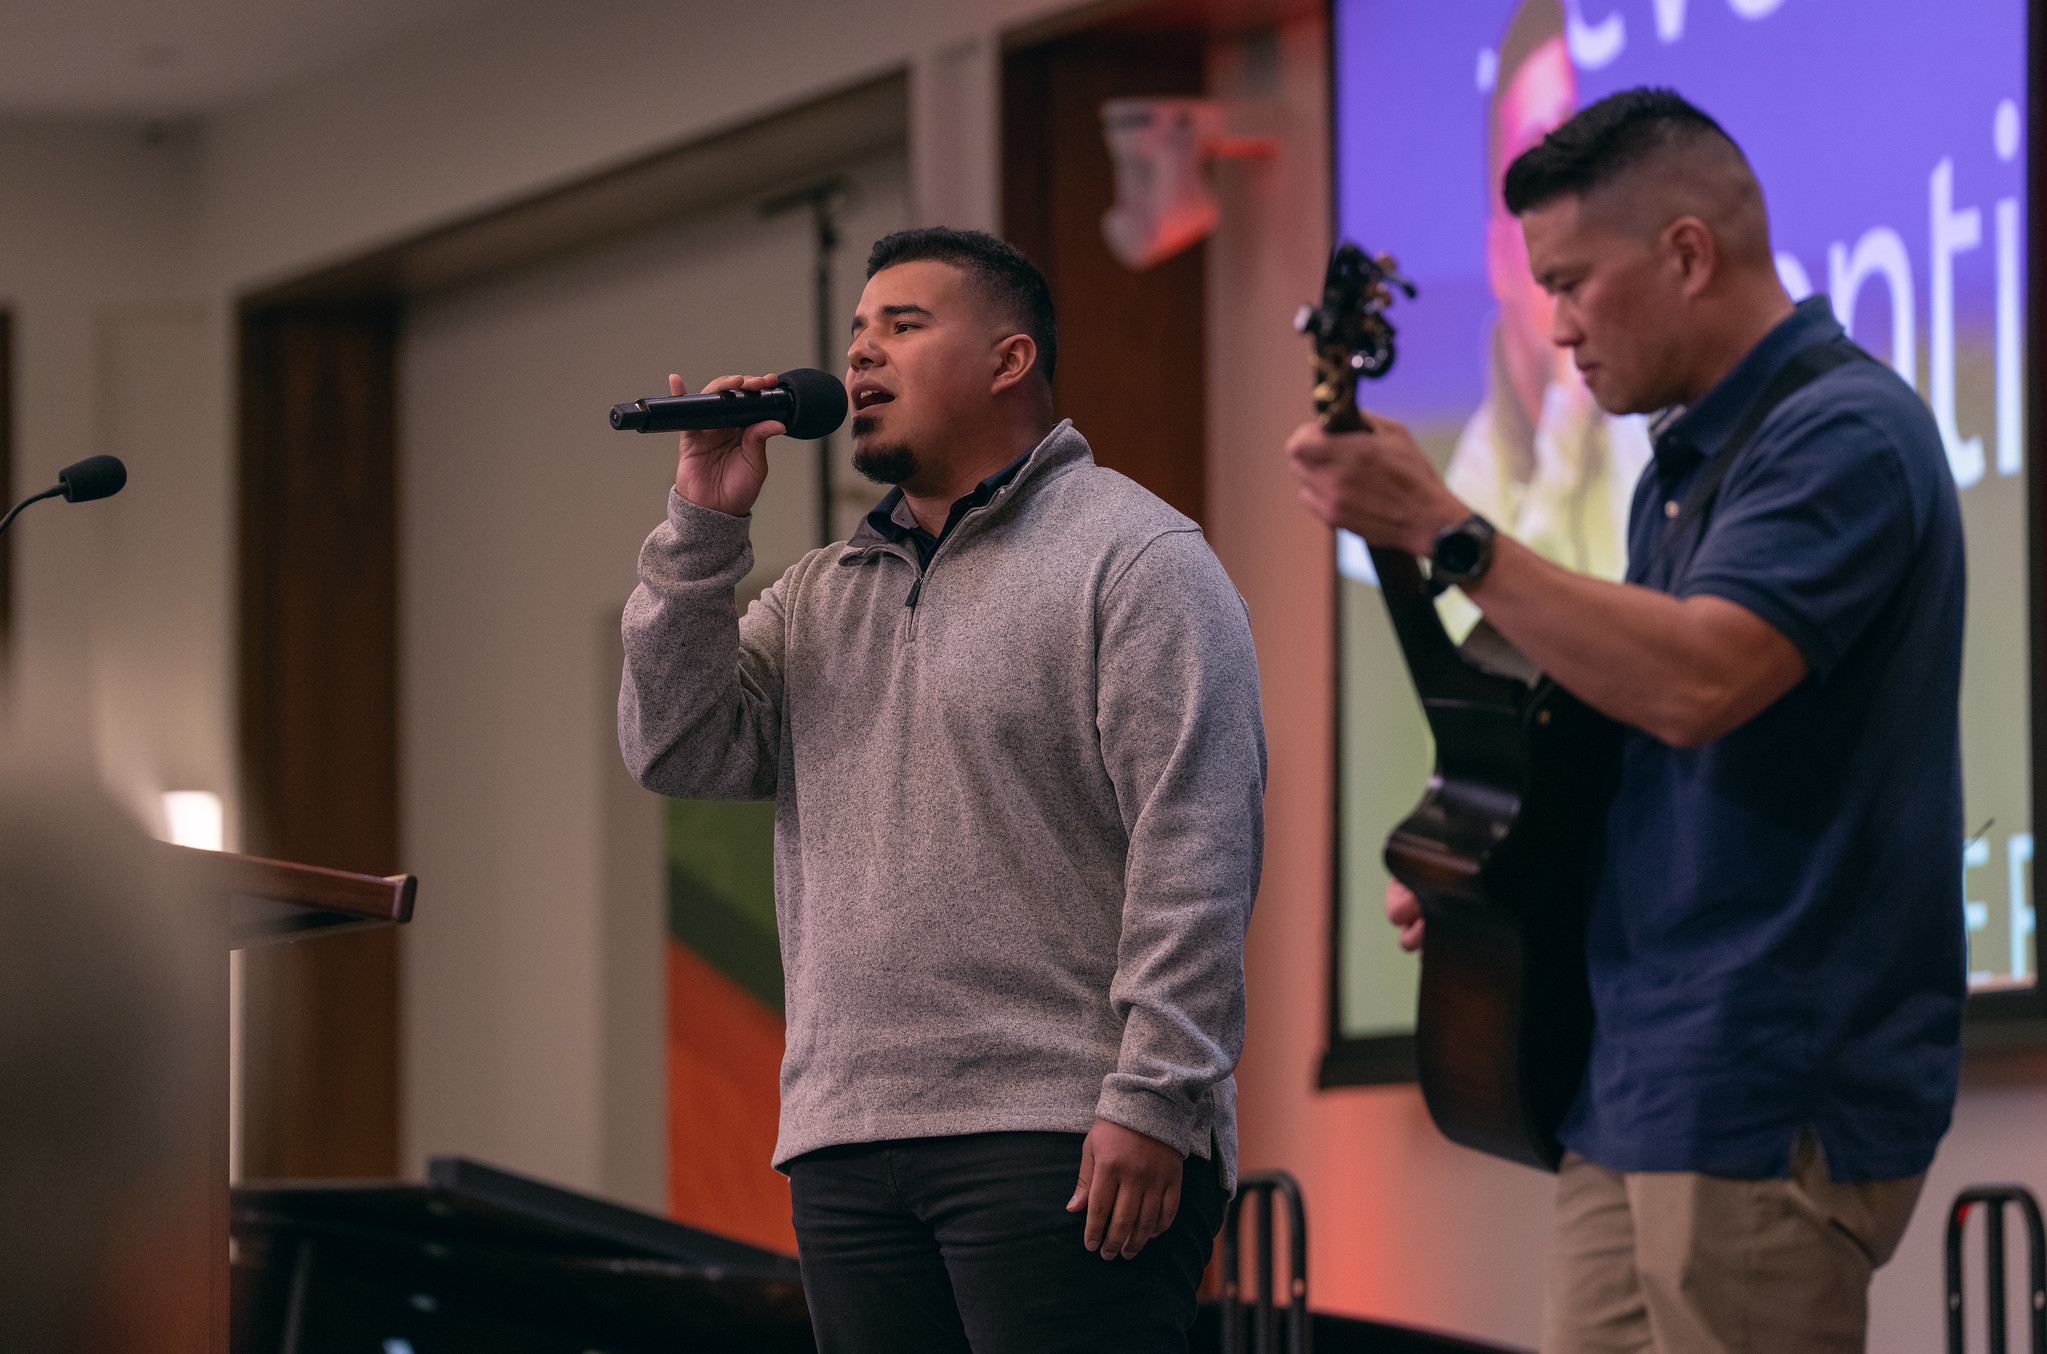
893, 519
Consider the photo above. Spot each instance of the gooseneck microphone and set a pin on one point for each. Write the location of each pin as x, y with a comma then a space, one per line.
809, 403
80, 482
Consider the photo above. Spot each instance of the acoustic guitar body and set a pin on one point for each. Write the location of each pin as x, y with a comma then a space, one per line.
1503, 852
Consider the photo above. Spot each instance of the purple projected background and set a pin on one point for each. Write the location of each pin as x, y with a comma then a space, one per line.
1844, 107
1889, 139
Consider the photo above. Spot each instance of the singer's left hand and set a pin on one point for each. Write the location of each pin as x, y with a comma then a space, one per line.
1378, 484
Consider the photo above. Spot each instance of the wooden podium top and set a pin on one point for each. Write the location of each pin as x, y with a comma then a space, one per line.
273, 900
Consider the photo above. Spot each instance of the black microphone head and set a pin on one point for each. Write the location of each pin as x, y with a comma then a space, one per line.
820, 400
93, 477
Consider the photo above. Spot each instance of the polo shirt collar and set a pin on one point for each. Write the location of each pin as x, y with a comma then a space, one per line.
1700, 429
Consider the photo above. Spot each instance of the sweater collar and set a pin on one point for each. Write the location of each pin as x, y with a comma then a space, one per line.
1060, 449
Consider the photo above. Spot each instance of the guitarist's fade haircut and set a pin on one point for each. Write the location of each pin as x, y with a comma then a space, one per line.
996, 267
1603, 142
1607, 153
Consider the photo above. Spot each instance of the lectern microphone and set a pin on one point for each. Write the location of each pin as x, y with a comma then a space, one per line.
809, 403
79, 482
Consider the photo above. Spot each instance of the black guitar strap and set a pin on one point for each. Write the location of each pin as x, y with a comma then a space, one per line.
1800, 372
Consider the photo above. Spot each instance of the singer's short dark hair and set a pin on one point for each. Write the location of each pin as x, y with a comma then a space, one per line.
997, 266
1605, 141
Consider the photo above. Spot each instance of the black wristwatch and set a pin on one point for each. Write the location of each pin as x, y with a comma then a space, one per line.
1462, 553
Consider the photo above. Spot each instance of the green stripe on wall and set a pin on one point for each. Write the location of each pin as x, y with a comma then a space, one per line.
721, 890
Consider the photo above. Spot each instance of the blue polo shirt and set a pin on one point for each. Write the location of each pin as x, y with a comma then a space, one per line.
1776, 940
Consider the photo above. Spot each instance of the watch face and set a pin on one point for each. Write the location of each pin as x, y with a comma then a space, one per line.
1458, 552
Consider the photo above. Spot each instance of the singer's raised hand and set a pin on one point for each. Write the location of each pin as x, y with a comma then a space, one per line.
723, 468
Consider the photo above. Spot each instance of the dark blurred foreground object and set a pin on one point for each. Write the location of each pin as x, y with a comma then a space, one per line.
100, 990
480, 1259
1992, 1199
114, 1063
81, 482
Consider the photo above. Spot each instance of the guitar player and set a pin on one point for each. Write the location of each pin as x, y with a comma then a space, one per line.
1775, 948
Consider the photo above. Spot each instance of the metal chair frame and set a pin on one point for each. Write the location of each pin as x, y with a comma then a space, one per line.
1260, 1187
1994, 1198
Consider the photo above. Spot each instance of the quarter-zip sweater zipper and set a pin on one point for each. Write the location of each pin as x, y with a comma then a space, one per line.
882, 519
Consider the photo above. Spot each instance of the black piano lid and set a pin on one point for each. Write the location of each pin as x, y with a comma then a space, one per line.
468, 1204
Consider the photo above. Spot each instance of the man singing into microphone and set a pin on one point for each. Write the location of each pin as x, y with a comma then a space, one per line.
1012, 732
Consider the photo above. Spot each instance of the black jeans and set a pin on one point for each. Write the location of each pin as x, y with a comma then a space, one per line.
964, 1244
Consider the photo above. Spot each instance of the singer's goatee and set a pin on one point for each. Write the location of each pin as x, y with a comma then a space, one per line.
884, 465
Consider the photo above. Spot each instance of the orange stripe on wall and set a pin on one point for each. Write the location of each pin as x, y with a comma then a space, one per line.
724, 1068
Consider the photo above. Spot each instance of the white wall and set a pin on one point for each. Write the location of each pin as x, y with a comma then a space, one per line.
533, 1012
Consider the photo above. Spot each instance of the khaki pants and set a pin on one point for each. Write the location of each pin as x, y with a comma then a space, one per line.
1681, 1263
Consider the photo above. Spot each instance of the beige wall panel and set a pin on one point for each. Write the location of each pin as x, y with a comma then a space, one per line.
473, 113
955, 111
161, 640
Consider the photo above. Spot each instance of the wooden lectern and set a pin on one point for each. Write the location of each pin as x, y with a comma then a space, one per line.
261, 902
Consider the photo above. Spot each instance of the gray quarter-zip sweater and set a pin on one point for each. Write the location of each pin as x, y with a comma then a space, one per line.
1018, 823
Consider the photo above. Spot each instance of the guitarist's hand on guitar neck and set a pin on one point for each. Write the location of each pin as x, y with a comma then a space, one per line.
1404, 910
1500, 843
1378, 484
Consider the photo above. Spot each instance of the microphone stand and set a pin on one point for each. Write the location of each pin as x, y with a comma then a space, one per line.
8, 520
824, 200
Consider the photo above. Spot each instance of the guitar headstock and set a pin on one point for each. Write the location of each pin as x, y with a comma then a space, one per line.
1352, 335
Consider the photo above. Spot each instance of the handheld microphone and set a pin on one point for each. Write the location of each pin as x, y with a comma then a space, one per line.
80, 482
809, 403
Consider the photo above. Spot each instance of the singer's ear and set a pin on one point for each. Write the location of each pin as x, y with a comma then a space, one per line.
1016, 358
